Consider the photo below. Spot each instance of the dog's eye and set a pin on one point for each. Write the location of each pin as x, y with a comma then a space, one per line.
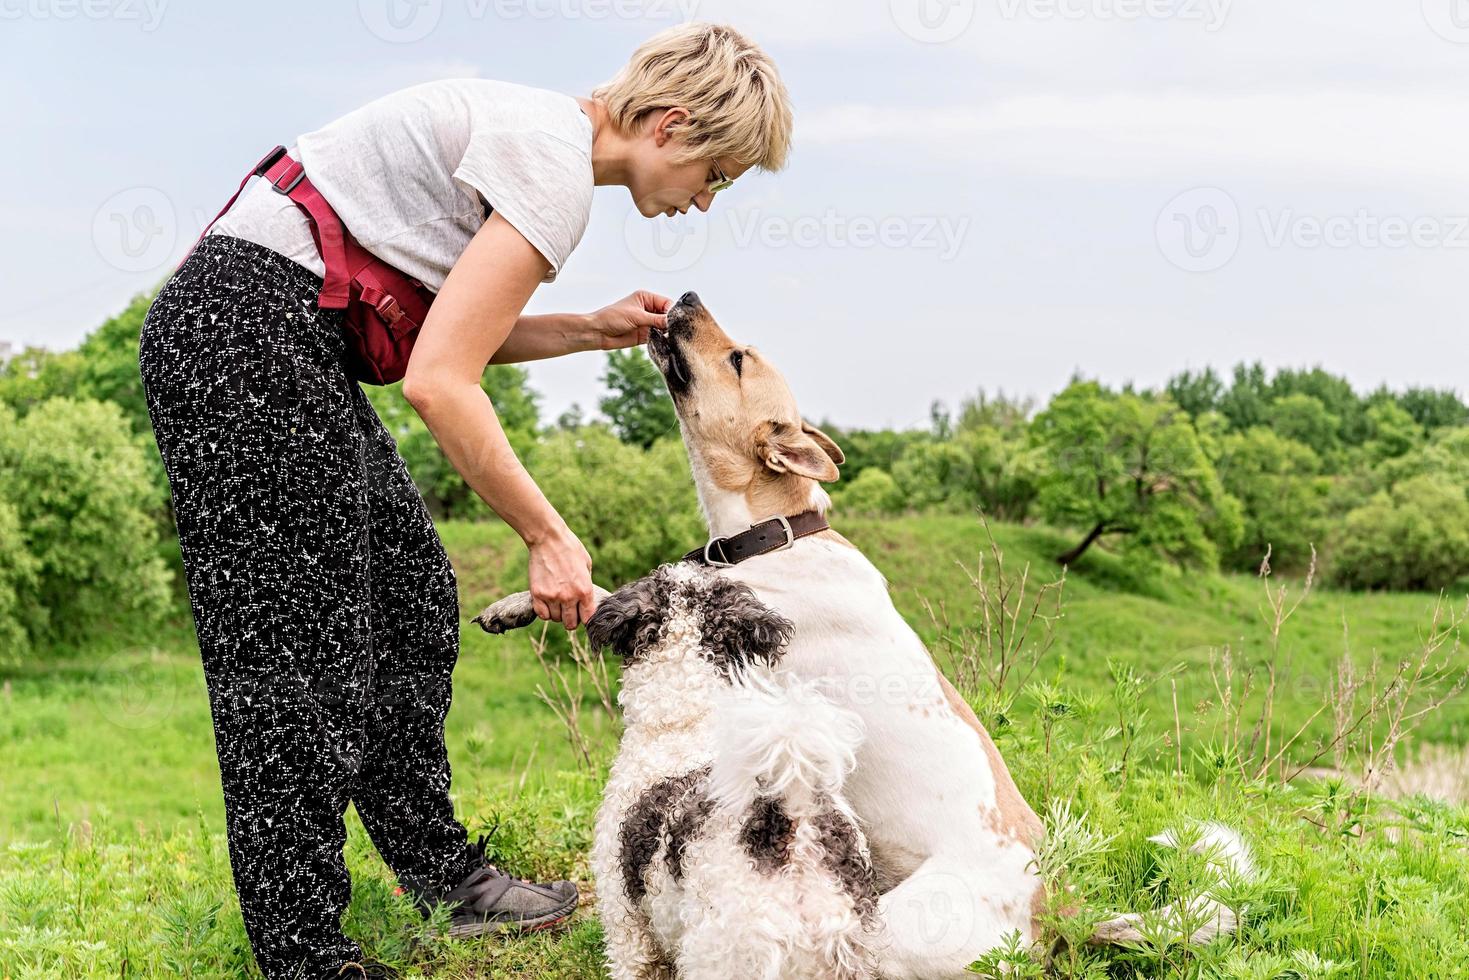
737, 358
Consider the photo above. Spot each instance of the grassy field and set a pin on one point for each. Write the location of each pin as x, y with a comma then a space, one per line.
112, 861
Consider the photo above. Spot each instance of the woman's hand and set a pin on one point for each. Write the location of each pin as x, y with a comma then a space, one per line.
626, 323
561, 580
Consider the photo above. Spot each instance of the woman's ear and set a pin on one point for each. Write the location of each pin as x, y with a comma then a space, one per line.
806, 451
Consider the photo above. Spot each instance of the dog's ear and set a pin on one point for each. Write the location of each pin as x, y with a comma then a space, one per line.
628, 619
806, 451
739, 629
827, 444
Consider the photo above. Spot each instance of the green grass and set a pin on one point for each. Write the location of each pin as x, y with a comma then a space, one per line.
112, 860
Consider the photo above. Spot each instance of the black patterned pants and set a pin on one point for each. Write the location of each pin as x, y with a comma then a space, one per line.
325, 606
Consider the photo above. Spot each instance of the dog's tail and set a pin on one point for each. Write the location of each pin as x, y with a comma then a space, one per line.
1204, 917
777, 736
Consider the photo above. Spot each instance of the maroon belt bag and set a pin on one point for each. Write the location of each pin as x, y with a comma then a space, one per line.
384, 308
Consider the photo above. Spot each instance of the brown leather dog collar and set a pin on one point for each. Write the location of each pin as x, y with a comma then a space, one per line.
772, 534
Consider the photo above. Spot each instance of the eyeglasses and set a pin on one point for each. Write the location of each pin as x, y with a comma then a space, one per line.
721, 182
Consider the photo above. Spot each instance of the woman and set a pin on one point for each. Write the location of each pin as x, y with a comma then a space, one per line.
324, 604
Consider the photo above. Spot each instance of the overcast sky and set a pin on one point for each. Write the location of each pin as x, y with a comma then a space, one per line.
981, 194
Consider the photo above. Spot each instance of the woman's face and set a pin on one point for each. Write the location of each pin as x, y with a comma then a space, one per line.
661, 186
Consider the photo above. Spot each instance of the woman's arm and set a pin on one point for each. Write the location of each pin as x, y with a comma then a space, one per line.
623, 324
470, 319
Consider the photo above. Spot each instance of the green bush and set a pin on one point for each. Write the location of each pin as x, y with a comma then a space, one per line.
935, 474
79, 485
1284, 499
1415, 536
17, 575
443, 489
873, 492
633, 508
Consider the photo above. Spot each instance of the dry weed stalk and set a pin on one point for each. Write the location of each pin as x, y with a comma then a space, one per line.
1373, 708
565, 695
1016, 627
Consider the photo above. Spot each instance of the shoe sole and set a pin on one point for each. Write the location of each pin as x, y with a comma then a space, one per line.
485, 927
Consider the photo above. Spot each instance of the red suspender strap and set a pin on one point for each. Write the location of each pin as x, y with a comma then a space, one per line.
289, 178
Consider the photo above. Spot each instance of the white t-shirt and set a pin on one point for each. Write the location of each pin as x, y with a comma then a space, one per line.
406, 174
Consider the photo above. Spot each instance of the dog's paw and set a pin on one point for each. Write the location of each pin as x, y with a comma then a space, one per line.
510, 613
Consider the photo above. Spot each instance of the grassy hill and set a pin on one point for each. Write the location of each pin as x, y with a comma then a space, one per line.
111, 851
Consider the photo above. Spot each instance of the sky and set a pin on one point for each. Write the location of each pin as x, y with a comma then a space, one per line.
982, 194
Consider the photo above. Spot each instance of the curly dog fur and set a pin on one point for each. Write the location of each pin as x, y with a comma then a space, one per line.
723, 847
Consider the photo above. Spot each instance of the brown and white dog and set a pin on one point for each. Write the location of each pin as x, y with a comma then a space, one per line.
951, 838
952, 841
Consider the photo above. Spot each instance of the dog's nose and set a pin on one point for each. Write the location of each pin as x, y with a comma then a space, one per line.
689, 298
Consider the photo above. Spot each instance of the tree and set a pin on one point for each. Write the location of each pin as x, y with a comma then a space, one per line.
873, 492
1415, 536
1434, 408
1283, 498
632, 508
1304, 419
1001, 471
637, 405
17, 577
1197, 393
1393, 432
78, 483
935, 473
1131, 465
443, 489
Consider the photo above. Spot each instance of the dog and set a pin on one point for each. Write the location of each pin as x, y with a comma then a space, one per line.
951, 840
723, 846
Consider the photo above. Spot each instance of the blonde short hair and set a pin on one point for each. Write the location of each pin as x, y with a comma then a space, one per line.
738, 106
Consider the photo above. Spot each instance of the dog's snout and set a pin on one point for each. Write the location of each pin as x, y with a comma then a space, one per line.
689, 298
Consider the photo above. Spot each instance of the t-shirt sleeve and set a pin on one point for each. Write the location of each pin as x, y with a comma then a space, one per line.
538, 182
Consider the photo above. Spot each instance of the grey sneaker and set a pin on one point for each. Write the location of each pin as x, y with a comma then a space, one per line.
370, 970
489, 900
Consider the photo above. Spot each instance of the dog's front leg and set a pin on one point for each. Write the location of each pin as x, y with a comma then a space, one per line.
515, 611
